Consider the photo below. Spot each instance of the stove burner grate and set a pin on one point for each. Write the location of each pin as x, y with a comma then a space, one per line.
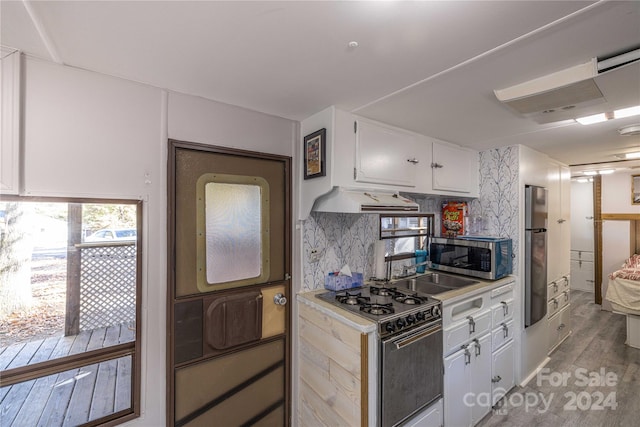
377, 309
410, 299
352, 299
383, 291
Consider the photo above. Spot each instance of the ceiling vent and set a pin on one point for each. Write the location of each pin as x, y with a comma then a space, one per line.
560, 95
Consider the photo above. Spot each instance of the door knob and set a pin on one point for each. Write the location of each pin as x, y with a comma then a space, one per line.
279, 299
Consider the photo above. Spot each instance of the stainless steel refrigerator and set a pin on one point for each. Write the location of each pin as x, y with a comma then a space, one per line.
535, 285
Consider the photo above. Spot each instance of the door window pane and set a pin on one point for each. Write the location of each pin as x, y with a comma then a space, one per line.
232, 231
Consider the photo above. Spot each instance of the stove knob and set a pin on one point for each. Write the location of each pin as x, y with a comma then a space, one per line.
389, 327
436, 312
400, 323
420, 315
411, 319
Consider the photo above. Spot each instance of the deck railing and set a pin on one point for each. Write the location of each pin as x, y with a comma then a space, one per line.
101, 285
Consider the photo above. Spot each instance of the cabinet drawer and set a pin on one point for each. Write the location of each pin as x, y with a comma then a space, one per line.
564, 298
502, 293
553, 306
502, 311
501, 334
559, 327
461, 332
553, 289
582, 255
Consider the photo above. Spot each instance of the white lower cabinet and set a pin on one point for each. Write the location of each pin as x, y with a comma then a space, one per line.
478, 354
502, 370
430, 417
467, 380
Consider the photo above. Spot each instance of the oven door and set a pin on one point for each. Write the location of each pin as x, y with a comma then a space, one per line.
411, 372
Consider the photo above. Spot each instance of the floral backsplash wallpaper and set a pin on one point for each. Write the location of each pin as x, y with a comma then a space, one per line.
340, 239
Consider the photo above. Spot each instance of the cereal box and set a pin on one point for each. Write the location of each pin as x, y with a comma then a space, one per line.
453, 218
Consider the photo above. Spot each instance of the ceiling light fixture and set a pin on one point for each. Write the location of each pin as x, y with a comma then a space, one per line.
603, 117
630, 130
590, 172
626, 112
634, 155
582, 180
606, 171
589, 120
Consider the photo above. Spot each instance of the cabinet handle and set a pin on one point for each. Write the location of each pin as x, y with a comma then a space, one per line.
505, 308
555, 287
588, 217
566, 296
436, 165
472, 325
467, 354
414, 161
496, 379
560, 221
478, 349
505, 330
555, 303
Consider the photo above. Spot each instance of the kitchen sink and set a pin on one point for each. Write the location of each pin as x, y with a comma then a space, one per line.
434, 283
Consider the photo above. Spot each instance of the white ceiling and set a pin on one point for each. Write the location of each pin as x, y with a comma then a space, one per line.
429, 66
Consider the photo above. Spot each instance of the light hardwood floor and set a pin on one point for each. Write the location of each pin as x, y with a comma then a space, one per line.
596, 345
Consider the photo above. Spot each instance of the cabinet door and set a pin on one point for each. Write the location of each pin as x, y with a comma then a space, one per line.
565, 220
502, 379
582, 277
457, 381
480, 376
385, 155
453, 168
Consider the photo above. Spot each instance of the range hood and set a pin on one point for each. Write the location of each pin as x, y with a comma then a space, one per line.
362, 201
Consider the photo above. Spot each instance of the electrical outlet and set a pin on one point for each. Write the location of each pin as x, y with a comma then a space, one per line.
314, 255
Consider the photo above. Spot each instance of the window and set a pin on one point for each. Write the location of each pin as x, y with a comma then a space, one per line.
69, 311
232, 231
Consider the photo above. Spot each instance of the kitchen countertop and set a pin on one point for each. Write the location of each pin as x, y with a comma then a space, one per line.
477, 288
446, 297
360, 323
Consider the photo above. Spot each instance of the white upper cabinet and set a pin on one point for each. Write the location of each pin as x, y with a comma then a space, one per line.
9, 122
386, 155
454, 169
364, 154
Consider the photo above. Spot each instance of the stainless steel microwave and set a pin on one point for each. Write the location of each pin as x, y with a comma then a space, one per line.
484, 257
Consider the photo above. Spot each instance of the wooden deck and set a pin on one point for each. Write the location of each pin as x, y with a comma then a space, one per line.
72, 397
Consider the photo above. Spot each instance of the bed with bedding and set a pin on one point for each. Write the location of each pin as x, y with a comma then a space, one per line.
624, 295
624, 287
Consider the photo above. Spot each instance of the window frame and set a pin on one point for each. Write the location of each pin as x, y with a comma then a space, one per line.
133, 348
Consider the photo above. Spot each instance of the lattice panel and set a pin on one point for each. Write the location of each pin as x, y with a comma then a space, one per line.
107, 286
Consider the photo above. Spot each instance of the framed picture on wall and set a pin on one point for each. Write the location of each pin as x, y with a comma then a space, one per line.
314, 154
635, 189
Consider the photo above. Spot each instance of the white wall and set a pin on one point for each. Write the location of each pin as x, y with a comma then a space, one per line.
616, 193
90, 135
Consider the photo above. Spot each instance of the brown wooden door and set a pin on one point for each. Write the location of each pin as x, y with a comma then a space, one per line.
229, 263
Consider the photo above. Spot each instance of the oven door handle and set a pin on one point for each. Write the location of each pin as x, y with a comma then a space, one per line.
417, 336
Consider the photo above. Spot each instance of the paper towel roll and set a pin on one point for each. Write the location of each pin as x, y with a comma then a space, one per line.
379, 265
